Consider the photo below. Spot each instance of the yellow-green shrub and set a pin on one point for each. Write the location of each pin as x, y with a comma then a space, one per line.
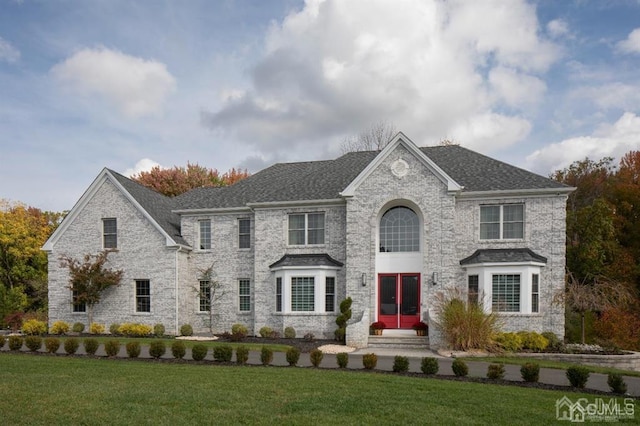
533, 341
34, 327
510, 342
96, 328
135, 330
59, 327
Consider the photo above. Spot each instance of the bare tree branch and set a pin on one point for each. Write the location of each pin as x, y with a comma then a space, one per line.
375, 138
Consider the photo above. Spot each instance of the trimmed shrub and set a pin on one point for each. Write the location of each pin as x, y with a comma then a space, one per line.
158, 330
289, 333
34, 343
114, 329
510, 342
315, 356
135, 330
223, 353
266, 332
2, 340
178, 349
400, 364
578, 376
34, 327
96, 328
533, 341
15, 343
460, 368
530, 372
293, 355
77, 327
369, 361
71, 345
495, 371
242, 354
266, 356
112, 348
342, 319
52, 344
91, 345
133, 349
429, 365
616, 383
186, 330
59, 327
554, 343
157, 348
342, 359
199, 352
238, 332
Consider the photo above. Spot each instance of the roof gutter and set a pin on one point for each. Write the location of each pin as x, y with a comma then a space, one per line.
516, 193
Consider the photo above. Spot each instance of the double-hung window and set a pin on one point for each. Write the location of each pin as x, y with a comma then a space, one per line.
330, 294
109, 233
306, 229
205, 234
143, 296
535, 293
506, 293
279, 294
302, 294
244, 295
244, 233
502, 222
205, 295
473, 289
77, 305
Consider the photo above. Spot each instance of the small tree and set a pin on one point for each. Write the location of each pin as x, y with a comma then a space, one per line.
375, 138
210, 291
89, 278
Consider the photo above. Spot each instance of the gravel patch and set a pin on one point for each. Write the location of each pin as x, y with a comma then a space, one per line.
335, 349
198, 338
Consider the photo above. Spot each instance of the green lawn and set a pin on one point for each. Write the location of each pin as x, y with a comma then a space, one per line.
544, 363
70, 390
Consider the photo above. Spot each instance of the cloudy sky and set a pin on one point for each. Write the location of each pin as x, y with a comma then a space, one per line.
240, 83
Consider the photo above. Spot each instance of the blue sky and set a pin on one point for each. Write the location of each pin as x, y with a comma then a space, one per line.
131, 84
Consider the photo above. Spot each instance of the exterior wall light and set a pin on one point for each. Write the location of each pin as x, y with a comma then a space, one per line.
364, 279
434, 278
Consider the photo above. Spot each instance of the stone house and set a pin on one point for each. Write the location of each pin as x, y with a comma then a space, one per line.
391, 229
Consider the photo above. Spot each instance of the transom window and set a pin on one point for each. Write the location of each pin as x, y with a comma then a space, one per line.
244, 295
143, 296
306, 229
244, 233
302, 294
110, 233
205, 234
506, 293
399, 230
205, 296
502, 222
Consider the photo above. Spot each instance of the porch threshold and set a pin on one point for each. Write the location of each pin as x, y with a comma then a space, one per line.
399, 339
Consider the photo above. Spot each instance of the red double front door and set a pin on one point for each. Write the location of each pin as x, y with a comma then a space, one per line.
399, 299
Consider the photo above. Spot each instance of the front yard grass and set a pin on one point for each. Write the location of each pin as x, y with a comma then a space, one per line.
41, 389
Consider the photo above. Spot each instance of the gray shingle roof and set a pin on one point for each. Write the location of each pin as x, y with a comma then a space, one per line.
503, 256
157, 205
306, 260
323, 180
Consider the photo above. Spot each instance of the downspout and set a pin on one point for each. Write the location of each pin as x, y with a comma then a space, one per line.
176, 284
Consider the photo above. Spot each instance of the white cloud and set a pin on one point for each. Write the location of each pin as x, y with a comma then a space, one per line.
137, 87
8, 52
612, 95
431, 68
610, 140
144, 165
632, 43
558, 28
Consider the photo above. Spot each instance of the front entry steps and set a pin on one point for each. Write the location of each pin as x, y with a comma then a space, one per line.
399, 339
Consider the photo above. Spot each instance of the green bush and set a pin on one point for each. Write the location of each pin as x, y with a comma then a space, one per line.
510, 342
266, 332
554, 343
15, 343
71, 345
178, 349
465, 325
495, 371
59, 327
133, 349
400, 364
157, 348
578, 376
429, 365
34, 343
34, 327
238, 332
315, 356
293, 355
533, 341
2, 340
616, 383
186, 330
266, 356
77, 327
369, 361
223, 353
199, 352
91, 346
158, 330
342, 319
530, 372
460, 368
242, 354
342, 359
114, 329
112, 348
96, 328
135, 330
52, 344
289, 333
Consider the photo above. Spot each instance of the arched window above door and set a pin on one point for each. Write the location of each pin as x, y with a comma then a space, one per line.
399, 230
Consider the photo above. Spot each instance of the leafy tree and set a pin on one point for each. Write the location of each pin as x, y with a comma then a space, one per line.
90, 277
210, 292
178, 180
375, 138
11, 300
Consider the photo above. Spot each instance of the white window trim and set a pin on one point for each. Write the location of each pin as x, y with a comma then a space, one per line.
250, 295
501, 205
306, 229
199, 235
319, 275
